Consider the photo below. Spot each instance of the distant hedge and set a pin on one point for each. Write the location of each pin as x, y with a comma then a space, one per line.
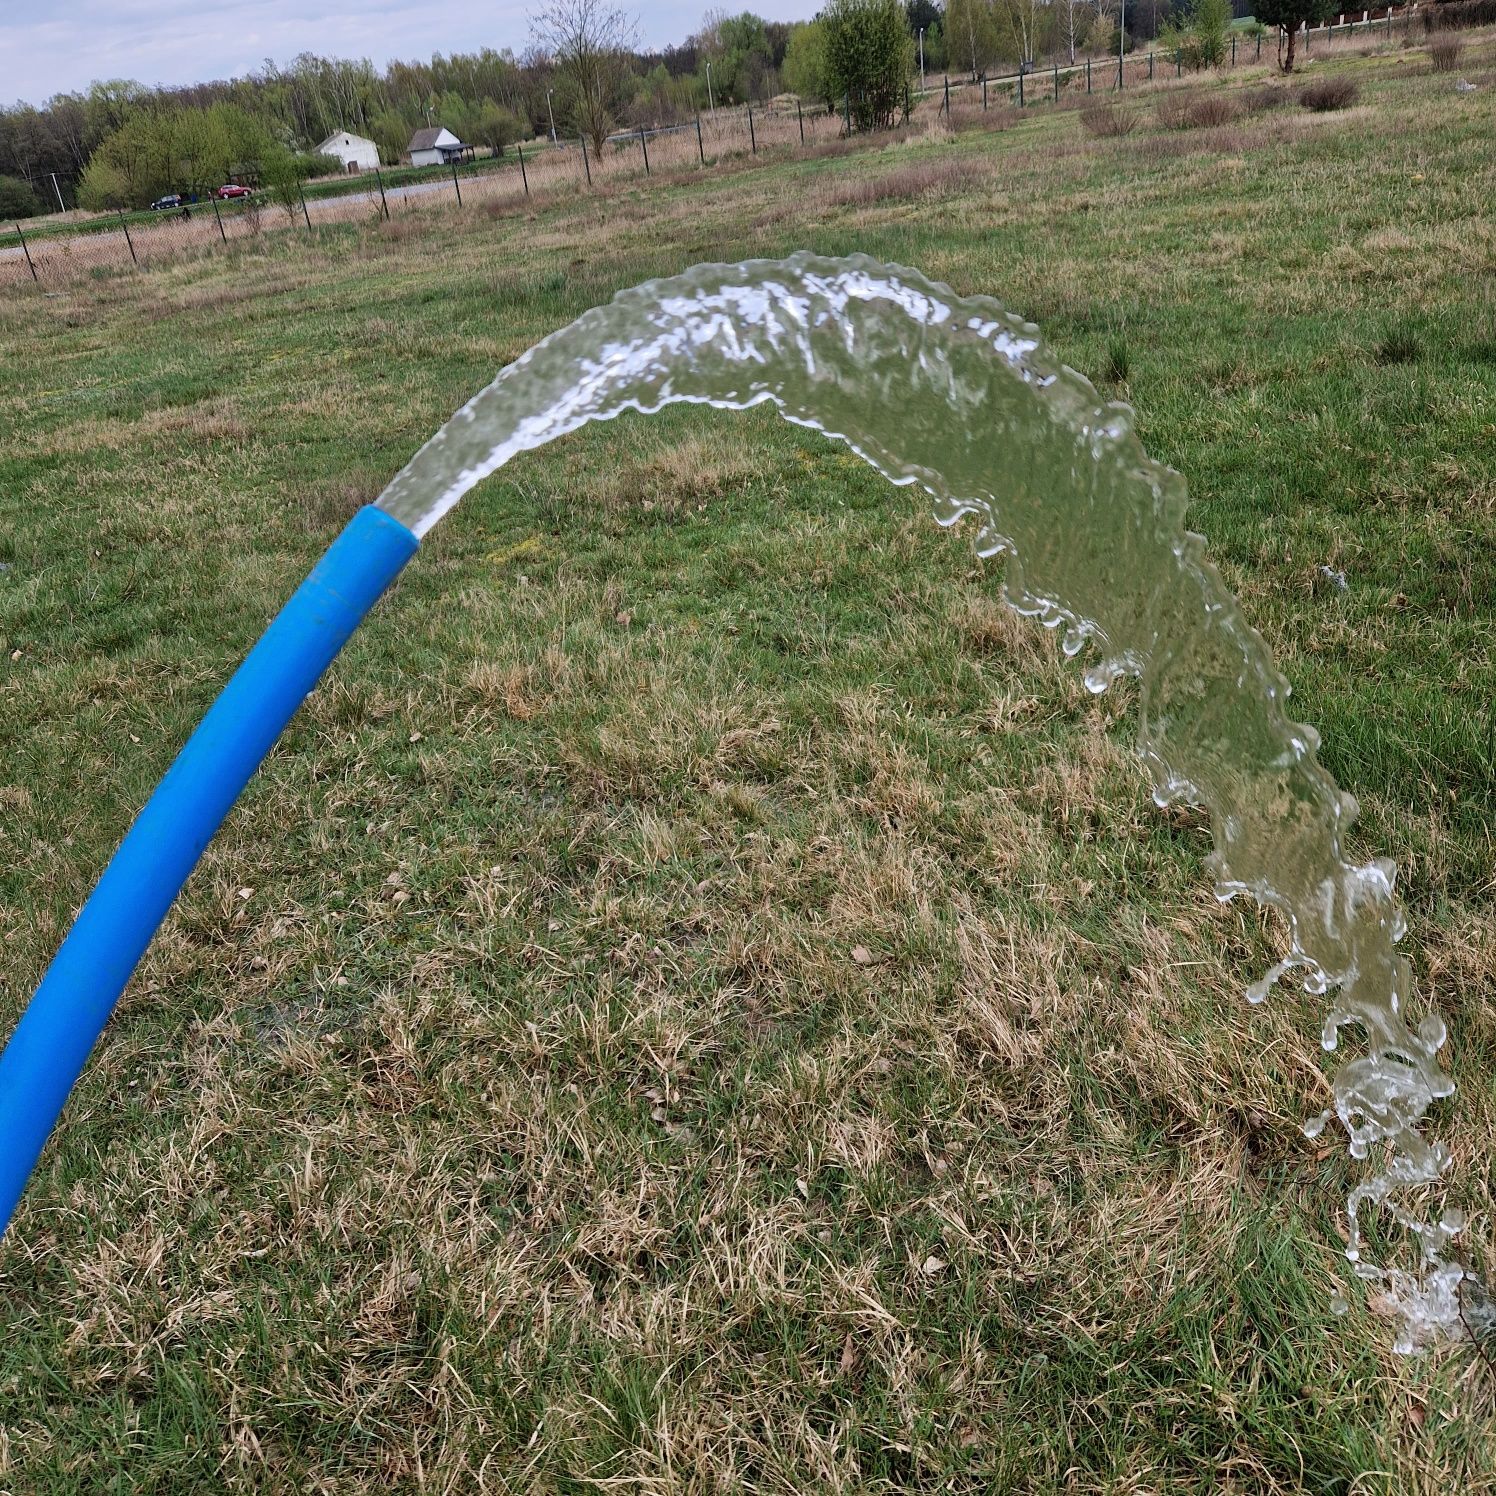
1459, 13
17, 200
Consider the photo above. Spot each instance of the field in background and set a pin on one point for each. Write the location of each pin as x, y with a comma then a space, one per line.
701, 999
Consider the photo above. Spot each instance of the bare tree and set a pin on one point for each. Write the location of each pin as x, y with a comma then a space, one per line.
590, 42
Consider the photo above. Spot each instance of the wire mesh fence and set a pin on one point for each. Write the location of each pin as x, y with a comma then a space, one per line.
60, 251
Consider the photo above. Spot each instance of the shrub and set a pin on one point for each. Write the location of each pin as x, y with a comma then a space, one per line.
17, 200
1197, 111
1107, 119
1260, 100
1444, 52
1329, 94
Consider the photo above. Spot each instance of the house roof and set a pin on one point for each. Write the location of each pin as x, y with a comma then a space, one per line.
342, 136
433, 139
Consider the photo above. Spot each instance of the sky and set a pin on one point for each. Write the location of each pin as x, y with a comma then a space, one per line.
62, 46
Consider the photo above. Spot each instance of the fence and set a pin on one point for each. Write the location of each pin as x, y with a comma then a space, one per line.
59, 252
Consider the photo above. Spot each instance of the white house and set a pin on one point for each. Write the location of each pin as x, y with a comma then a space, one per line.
356, 153
436, 147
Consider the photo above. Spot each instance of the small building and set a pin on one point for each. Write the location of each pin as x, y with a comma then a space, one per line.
356, 153
437, 147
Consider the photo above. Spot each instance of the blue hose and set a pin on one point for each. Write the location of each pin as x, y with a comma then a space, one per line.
51, 1043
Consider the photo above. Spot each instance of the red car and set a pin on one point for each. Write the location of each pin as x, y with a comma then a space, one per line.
232, 189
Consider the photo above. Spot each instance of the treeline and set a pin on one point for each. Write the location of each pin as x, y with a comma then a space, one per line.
120, 143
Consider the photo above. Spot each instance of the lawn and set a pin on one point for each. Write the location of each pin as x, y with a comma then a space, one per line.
701, 998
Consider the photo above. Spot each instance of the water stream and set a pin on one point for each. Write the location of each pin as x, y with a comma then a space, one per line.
961, 399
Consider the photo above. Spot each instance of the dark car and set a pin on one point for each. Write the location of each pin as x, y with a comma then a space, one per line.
171, 200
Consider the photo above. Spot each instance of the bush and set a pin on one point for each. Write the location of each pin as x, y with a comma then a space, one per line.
17, 200
1260, 100
1329, 94
1444, 52
1197, 111
1107, 119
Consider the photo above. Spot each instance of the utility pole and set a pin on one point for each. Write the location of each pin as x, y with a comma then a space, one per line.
711, 107
1121, 42
921, 59
58, 191
551, 112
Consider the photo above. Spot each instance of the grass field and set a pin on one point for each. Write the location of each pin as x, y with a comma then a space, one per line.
701, 998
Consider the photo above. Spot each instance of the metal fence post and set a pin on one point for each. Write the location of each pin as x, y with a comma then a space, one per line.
984, 93
524, 176
644, 146
1088, 75
700, 149
753, 139
1119, 72
456, 185
586, 164
304, 213
947, 105
1259, 46
1150, 67
1233, 49
1020, 85
383, 204
128, 240
1178, 63
1057, 83
217, 216
30, 263
800, 113
847, 110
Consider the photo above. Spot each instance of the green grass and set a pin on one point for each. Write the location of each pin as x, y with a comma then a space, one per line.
701, 998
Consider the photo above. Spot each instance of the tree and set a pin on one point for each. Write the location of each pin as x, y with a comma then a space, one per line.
1024, 27
869, 58
1290, 15
590, 43
971, 35
17, 200
495, 126
805, 62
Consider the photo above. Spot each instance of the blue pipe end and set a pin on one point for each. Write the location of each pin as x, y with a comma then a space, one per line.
52, 1041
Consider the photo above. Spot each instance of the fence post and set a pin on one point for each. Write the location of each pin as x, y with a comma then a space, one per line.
1020, 85
847, 109
700, 149
1233, 49
29, 262
1057, 83
947, 105
304, 213
1119, 72
456, 185
1150, 67
1088, 75
524, 176
644, 146
800, 113
753, 139
1259, 43
586, 164
384, 206
128, 240
1178, 63
217, 216
984, 93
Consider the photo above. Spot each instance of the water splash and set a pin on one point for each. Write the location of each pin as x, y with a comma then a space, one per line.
960, 398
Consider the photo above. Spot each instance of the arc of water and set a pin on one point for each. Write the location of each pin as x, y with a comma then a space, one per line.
963, 400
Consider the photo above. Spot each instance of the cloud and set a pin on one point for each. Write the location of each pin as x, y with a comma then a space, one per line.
193, 41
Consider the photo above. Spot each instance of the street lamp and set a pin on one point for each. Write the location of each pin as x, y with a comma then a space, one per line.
711, 107
551, 112
921, 59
